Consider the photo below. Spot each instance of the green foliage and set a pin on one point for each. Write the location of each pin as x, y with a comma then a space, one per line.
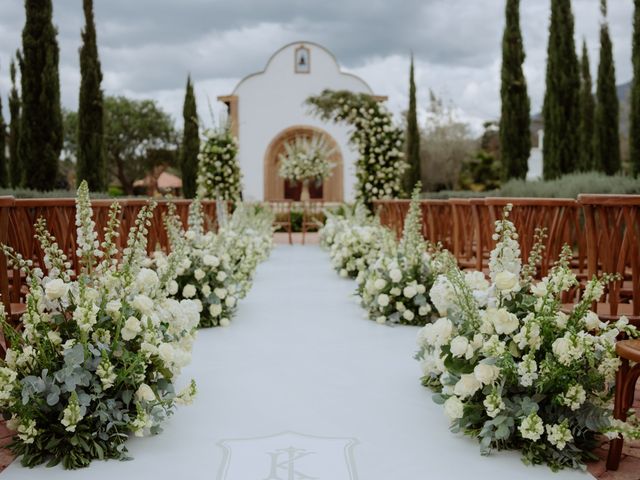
219, 174
412, 137
41, 119
481, 173
15, 166
634, 129
28, 193
515, 137
90, 164
380, 167
587, 113
135, 129
607, 136
4, 173
561, 102
190, 143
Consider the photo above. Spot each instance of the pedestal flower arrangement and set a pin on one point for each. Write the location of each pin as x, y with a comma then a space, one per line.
511, 368
205, 274
99, 352
395, 288
219, 174
305, 160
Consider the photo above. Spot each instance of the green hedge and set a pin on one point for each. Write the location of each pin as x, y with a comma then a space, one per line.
568, 186
26, 193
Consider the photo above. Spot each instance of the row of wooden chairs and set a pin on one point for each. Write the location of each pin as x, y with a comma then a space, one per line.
18, 216
311, 210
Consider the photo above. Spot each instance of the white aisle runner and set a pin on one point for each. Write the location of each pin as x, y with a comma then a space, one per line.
300, 386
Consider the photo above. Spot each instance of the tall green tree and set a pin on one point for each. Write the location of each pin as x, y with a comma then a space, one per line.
515, 134
90, 164
561, 107
587, 113
607, 135
41, 119
4, 173
15, 166
634, 129
190, 143
412, 137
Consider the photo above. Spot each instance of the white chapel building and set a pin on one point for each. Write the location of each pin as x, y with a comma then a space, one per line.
267, 109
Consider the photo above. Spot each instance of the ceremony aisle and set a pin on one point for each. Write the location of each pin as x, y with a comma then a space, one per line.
300, 386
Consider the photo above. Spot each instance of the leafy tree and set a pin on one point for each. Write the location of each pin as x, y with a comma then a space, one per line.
515, 135
4, 174
412, 137
41, 119
190, 143
587, 113
634, 129
607, 134
90, 164
219, 173
133, 129
15, 166
561, 107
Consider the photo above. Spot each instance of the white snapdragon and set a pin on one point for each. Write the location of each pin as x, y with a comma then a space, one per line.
559, 435
131, 328
574, 397
531, 427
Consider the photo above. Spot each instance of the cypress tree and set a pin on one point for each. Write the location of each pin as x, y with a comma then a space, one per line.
90, 164
634, 128
587, 112
4, 174
190, 143
41, 119
607, 137
412, 139
515, 135
15, 166
561, 107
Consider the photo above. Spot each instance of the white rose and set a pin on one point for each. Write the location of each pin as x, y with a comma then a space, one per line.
381, 319
206, 289
211, 261
561, 347
459, 346
421, 289
173, 287
424, 310
142, 303
221, 276
146, 278
113, 307
454, 408
395, 291
503, 321
215, 309
539, 289
131, 328
220, 292
396, 275
189, 291
486, 374
224, 322
56, 289
383, 299
199, 274
506, 281
467, 385
165, 352
408, 315
476, 280
145, 392
410, 291
379, 284
230, 301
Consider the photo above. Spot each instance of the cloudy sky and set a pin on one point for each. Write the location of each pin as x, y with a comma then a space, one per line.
147, 47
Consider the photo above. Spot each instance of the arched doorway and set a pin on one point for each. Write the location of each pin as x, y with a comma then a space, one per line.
275, 187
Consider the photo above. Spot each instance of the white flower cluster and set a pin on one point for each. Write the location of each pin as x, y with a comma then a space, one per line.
306, 158
89, 343
510, 367
219, 174
381, 165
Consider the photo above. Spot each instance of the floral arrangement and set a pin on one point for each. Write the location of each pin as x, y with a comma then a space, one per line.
246, 240
381, 165
219, 174
510, 367
99, 352
395, 287
306, 158
205, 274
356, 240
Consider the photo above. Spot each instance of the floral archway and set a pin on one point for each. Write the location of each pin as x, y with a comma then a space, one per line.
274, 186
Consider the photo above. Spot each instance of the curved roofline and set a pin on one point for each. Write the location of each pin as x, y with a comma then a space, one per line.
333, 57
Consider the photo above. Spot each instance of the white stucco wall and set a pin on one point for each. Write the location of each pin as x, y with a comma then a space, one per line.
273, 100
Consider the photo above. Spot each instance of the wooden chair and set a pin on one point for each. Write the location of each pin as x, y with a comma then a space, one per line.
483, 229
312, 212
437, 222
10, 299
282, 211
392, 214
463, 234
